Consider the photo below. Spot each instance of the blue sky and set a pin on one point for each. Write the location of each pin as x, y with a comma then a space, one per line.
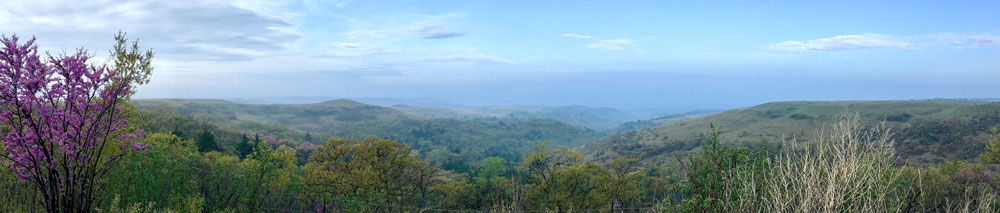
653, 54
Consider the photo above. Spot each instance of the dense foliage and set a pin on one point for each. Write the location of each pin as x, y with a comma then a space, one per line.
450, 143
378, 175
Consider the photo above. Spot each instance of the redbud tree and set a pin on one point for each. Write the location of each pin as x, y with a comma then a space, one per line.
64, 120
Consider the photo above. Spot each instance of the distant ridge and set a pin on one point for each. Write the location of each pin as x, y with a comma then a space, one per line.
925, 131
341, 102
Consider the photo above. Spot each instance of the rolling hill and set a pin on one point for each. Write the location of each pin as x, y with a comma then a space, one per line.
924, 131
299, 116
440, 140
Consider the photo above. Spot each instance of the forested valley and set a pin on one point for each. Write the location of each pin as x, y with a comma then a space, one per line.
76, 141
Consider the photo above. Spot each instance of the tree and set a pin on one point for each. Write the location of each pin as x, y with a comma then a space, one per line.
992, 152
561, 181
165, 175
454, 195
244, 148
490, 180
65, 121
380, 170
206, 141
624, 182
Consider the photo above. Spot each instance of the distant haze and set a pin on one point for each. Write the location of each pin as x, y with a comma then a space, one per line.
644, 57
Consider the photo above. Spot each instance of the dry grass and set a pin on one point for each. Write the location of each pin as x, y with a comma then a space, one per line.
849, 169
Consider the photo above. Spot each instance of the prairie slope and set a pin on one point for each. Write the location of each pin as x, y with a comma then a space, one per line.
925, 131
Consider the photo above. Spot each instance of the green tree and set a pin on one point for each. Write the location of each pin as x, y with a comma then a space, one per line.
624, 183
561, 181
206, 141
709, 175
382, 171
454, 195
164, 176
244, 148
992, 152
491, 182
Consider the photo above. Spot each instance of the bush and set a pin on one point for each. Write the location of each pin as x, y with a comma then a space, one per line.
722, 178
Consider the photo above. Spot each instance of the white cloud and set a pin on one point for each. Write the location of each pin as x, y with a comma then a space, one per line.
574, 35
179, 30
611, 44
845, 42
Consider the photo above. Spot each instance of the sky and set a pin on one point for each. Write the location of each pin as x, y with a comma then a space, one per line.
674, 55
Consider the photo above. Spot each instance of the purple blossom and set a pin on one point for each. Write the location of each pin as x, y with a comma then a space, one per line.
306, 146
140, 147
56, 114
987, 174
320, 207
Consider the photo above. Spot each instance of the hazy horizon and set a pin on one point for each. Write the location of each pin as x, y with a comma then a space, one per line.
628, 55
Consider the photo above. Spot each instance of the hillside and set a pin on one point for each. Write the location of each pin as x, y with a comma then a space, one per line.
598, 118
663, 120
299, 116
441, 140
925, 131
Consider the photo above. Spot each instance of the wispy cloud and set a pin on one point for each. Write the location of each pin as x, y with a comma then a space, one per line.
346, 45
773, 55
870, 41
435, 27
351, 49
611, 44
867, 41
574, 35
968, 41
471, 59
433, 31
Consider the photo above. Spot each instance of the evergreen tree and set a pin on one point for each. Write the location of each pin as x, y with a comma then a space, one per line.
206, 141
244, 148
